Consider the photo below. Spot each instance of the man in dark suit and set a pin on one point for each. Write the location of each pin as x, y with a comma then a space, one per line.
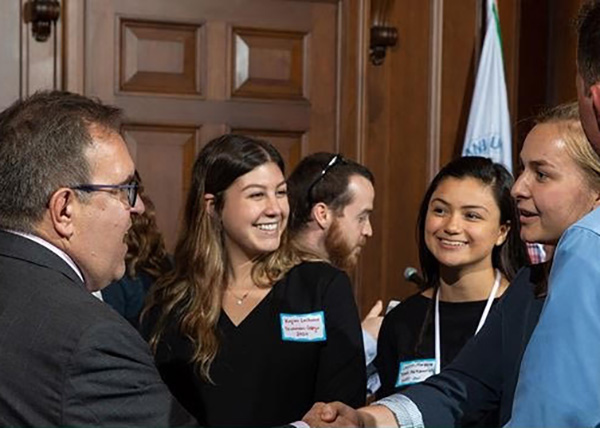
67, 195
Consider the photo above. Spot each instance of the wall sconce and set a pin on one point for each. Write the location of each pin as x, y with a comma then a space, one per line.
382, 34
41, 14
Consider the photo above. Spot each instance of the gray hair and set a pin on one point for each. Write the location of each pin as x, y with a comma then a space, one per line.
43, 142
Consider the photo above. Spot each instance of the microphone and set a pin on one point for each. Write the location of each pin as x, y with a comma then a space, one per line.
412, 275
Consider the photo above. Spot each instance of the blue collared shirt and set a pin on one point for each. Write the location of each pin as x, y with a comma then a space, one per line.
559, 381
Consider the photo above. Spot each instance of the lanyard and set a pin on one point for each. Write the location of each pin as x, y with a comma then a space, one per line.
486, 311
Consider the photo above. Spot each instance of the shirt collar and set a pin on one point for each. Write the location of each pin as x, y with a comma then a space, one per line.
60, 253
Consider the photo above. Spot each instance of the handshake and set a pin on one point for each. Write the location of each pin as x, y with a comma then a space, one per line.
334, 414
337, 414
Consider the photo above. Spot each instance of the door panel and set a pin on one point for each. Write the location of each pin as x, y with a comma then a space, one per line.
186, 71
175, 147
159, 57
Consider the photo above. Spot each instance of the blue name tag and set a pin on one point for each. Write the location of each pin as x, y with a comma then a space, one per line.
415, 371
303, 327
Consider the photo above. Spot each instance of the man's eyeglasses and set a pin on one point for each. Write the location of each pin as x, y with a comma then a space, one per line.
333, 162
130, 188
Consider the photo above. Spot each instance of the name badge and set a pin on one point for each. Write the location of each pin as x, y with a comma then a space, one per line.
415, 371
303, 327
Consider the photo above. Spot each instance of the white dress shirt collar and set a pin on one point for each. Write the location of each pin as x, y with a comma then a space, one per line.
60, 253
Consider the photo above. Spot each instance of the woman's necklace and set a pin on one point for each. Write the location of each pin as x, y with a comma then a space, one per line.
239, 300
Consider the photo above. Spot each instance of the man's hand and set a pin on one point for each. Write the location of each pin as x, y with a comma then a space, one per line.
372, 322
334, 414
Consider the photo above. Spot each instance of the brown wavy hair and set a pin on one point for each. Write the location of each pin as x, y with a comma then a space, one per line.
192, 293
146, 246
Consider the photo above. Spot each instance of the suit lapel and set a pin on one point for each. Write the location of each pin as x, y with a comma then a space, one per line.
18, 247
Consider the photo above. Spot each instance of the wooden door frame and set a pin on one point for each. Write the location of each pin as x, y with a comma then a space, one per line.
352, 123
352, 35
352, 65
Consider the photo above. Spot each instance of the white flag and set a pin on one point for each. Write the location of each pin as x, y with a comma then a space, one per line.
488, 131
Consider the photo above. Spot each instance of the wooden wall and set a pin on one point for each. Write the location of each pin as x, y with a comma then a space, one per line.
25, 65
408, 116
397, 150
418, 105
546, 59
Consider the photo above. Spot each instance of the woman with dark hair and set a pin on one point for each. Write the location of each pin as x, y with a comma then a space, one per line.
246, 333
559, 184
470, 249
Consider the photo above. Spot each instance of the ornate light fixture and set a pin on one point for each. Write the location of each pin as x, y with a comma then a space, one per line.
42, 15
383, 35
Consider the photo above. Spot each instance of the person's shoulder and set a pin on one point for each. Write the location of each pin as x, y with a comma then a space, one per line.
415, 302
64, 316
92, 313
71, 305
417, 299
529, 282
86, 326
50, 297
401, 323
532, 275
316, 269
316, 277
590, 222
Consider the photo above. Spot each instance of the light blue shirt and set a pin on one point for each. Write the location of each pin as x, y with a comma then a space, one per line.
370, 343
559, 382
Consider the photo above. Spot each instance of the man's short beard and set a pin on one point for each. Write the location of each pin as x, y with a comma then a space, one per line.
341, 255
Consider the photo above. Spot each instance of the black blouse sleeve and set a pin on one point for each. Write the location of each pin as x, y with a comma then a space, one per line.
341, 374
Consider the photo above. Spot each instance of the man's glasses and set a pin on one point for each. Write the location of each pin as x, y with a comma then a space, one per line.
130, 188
333, 162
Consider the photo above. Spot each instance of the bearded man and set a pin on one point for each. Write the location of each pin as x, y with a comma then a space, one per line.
331, 200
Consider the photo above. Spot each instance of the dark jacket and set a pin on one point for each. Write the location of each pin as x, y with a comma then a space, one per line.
66, 358
483, 376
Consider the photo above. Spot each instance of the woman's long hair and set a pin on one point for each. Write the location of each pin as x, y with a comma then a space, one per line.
507, 257
146, 247
192, 293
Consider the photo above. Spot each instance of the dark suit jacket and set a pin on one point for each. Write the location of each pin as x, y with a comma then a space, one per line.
65, 357
483, 377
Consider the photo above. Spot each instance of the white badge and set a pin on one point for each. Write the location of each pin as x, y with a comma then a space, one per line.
415, 371
303, 327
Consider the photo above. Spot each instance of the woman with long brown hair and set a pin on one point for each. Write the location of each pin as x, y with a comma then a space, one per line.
240, 323
146, 260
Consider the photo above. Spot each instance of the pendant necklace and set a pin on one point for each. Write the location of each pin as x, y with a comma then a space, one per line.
239, 300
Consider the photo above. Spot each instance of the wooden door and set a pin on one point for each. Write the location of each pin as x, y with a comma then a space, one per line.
26, 65
186, 71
